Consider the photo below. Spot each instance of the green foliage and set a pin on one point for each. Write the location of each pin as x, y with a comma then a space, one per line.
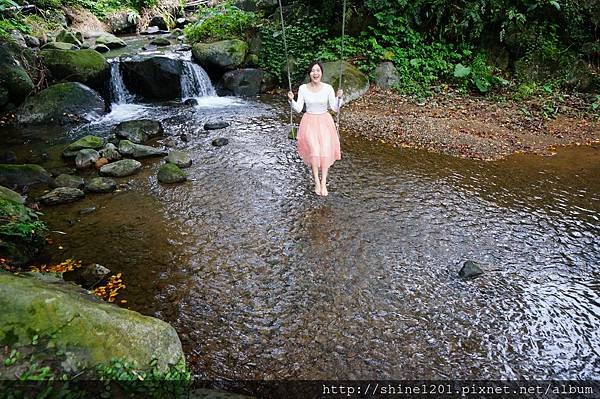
303, 37
222, 22
19, 223
150, 381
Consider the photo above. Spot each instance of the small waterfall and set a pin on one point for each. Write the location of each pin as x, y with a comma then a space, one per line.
195, 82
118, 92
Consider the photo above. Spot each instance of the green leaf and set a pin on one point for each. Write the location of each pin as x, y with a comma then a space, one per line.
460, 71
482, 84
555, 4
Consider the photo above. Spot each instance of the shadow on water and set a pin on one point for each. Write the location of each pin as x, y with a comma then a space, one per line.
264, 280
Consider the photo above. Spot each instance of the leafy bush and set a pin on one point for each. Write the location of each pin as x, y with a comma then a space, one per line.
304, 38
220, 23
17, 222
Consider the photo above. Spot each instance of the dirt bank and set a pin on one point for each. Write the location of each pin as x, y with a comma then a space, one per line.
472, 127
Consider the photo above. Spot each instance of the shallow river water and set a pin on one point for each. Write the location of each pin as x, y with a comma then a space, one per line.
263, 279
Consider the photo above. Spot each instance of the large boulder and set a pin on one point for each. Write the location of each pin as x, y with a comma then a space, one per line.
153, 77
122, 21
219, 56
63, 103
355, 83
23, 175
243, 82
90, 331
386, 75
14, 80
139, 131
110, 41
86, 66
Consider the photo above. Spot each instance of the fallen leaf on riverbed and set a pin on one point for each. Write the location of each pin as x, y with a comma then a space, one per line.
66, 266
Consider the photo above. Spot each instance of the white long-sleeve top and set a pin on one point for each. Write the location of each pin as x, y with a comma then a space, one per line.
316, 102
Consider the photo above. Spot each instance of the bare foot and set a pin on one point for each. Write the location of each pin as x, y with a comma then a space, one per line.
317, 188
324, 191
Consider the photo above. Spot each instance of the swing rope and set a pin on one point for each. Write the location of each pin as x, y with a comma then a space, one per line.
337, 125
287, 59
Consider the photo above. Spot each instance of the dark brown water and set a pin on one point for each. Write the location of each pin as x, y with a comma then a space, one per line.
262, 279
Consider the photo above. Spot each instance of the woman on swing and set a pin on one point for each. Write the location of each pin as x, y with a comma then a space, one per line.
318, 142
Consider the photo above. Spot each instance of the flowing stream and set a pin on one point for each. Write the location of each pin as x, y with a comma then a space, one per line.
264, 280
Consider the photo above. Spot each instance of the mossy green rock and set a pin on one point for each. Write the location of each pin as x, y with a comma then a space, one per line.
66, 36
122, 168
11, 195
355, 83
59, 46
23, 175
86, 66
90, 332
101, 185
13, 77
171, 173
93, 142
110, 41
63, 103
222, 55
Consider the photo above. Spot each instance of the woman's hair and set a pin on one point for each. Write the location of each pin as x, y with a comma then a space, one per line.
312, 64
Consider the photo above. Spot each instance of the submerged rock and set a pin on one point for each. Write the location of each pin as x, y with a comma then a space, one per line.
170, 173
470, 269
65, 180
125, 167
220, 142
101, 185
215, 125
179, 158
62, 195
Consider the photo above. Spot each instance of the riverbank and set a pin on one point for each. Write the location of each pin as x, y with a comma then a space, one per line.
472, 127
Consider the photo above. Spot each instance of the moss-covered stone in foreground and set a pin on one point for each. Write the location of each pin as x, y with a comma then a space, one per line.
88, 331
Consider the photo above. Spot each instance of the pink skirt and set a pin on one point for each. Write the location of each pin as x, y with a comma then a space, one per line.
318, 142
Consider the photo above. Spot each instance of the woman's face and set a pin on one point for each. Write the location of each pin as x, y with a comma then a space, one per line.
315, 73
